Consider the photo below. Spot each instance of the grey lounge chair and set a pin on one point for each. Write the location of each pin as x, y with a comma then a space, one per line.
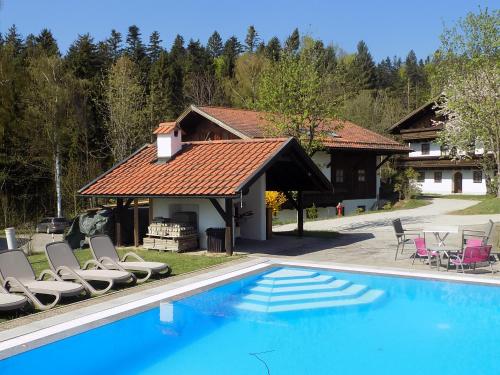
10, 301
64, 263
401, 236
18, 276
104, 251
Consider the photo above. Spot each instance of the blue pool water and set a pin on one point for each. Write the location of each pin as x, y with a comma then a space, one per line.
294, 321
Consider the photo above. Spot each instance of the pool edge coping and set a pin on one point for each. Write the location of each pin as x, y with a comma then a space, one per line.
44, 334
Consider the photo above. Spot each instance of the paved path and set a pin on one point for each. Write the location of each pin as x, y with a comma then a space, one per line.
369, 239
434, 213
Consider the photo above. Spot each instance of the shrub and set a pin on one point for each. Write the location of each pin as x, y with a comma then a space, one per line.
406, 184
274, 200
312, 212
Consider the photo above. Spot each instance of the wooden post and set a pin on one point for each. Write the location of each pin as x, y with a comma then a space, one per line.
300, 215
269, 223
150, 210
136, 222
118, 221
229, 226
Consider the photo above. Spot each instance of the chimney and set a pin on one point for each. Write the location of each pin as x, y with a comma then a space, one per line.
168, 140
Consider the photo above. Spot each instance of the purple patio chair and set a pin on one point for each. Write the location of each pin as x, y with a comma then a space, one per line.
423, 252
471, 256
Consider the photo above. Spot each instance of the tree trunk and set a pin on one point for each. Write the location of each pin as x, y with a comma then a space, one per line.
57, 160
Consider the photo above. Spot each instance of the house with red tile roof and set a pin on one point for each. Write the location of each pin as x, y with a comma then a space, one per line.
223, 182
350, 160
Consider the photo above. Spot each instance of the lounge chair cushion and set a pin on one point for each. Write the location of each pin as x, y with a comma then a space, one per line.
66, 288
11, 301
143, 266
103, 275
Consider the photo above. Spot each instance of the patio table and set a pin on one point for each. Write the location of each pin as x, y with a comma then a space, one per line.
441, 232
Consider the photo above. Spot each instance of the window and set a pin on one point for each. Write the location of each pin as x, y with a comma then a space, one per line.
477, 177
361, 175
426, 148
339, 175
438, 177
421, 176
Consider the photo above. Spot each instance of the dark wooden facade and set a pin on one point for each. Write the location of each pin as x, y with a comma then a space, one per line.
199, 128
359, 174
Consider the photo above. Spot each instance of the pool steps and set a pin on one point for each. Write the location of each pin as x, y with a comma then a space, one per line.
292, 290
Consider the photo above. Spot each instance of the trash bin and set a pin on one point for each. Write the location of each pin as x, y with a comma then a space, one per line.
216, 240
10, 234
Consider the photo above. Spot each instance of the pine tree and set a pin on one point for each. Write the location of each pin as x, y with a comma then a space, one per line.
364, 67
214, 45
154, 48
83, 57
252, 39
135, 48
292, 43
114, 44
46, 43
232, 49
273, 49
178, 51
13, 41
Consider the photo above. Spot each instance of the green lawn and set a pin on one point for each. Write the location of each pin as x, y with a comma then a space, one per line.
461, 196
487, 206
179, 262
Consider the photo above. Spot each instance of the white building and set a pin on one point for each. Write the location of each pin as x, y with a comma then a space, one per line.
439, 173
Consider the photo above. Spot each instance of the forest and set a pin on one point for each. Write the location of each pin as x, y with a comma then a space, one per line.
66, 118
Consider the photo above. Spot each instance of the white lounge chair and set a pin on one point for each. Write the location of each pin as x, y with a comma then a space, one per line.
18, 276
104, 251
64, 263
10, 301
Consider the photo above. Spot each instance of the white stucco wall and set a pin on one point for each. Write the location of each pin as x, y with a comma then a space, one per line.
434, 149
322, 159
208, 217
254, 227
446, 185
329, 212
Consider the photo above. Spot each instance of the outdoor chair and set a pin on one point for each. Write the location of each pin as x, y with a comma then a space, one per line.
484, 235
18, 276
10, 301
471, 256
421, 251
402, 236
64, 263
104, 252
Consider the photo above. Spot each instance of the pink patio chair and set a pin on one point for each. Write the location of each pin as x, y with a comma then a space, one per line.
423, 252
471, 256
469, 242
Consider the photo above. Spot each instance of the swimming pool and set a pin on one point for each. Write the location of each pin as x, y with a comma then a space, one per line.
289, 320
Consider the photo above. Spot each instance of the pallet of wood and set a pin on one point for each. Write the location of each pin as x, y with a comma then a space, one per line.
171, 237
170, 230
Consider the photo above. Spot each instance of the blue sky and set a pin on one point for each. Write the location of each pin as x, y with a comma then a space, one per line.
388, 27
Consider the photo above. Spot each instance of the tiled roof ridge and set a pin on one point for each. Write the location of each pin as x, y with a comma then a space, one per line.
251, 140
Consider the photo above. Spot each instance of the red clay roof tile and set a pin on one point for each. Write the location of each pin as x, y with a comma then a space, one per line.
347, 134
215, 168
